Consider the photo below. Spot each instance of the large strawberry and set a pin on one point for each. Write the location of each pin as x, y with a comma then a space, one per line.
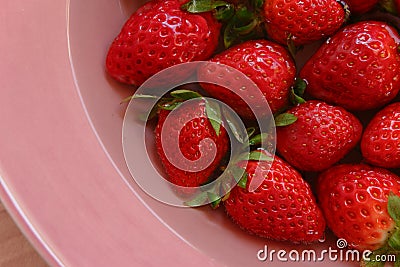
358, 68
267, 64
159, 35
380, 143
302, 21
354, 200
281, 208
190, 140
321, 136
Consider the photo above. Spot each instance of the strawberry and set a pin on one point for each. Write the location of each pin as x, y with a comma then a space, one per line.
281, 208
358, 68
302, 21
159, 35
380, 143
267, 64
361, 6
320, 137
354, 200
191, 146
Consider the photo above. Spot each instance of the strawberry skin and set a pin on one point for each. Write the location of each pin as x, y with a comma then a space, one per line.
305, 21
157, 36
281, 208
190, 124
354, 200
267, 64
380, 143
358, 68
320, 137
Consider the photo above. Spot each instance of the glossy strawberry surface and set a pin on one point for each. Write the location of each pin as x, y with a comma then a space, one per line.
380, 144
321, 136
358, 68
303, 21
157, 36
183, 135
354, 200
267, 64
281, 208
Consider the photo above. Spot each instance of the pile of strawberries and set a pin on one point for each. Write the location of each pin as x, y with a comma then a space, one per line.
337, 117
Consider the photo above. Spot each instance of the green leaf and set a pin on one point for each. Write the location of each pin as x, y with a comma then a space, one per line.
170, 105
258, 139
234, 126
257, 4
394, 207
258, 155
224, 13
243, 181
300, 86
394, 240
214, 199
185, 94
200, 6
285, 119
213, 111
295, 98
374, 258
199, 200
241, 27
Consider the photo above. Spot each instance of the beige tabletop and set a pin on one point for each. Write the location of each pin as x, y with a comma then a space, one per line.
15, 250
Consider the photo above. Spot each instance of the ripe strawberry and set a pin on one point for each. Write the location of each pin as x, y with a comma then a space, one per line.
320, 137
354, 200
157, 36
361, 6
281, 208
267, 64
358, 68
304, 21
190, 147
380, 143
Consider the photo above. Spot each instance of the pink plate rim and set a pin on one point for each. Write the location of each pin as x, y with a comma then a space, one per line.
54, 174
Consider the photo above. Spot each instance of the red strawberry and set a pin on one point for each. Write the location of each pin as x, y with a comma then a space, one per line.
281, 208
267, 64
354, 200
358, 68
361, 6
304, 21
320, 137
187, 134
159, 35
380, 143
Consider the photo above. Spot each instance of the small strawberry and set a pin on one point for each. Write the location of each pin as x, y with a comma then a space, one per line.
281, 208
380, 143
302, 21
361, 6
354, 199
190, 140
320, 137
267, 64
358, 68
157, 36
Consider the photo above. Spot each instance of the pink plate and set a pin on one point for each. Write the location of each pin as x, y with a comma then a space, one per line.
63, 175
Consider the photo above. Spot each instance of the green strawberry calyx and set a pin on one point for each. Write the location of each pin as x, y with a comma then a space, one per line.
222, 10
392, 246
